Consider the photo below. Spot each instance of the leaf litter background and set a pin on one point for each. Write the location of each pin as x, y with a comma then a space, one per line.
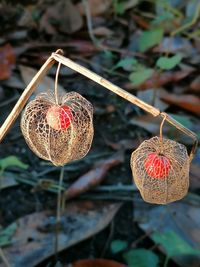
151, 49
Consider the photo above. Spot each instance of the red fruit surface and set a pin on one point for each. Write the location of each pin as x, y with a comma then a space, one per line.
59, 117
157, 166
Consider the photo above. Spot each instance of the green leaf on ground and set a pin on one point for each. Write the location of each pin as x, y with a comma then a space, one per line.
118, 246
11, 161
119, 8
126, 62
6, 234
141, 258
150, 38
174, 244
168, 63
140, 76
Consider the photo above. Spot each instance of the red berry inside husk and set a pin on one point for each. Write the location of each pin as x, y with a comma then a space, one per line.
59, 117
157, 166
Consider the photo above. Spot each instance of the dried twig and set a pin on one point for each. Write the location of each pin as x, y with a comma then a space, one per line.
98, 79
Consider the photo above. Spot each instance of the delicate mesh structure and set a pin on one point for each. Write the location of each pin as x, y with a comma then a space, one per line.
174, 182
62, 145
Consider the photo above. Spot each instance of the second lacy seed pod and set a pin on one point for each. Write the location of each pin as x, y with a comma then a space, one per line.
161, 170
58, 133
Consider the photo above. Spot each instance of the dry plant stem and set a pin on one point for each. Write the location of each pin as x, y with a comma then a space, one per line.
189, 24
25, 96
3, 257
58, 217
161, 133
89, 22
56, 83
98, 79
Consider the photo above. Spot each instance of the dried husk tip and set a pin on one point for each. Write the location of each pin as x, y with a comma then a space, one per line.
170, 180
63, 137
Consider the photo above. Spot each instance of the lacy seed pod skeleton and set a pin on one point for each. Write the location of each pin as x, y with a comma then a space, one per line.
161, 170
59, 133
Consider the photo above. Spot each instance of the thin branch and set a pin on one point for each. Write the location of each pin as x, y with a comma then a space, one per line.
98, 79
56, 84
58, 217
161, 133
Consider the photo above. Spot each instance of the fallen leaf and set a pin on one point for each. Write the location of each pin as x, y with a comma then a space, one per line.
195, 85
82, 47
130, 4
173, 244
97, 7
174, 45
11, 161
118, 245
93, 177
46, 84
150, 38
159, 79
187, 102
7, 61
180, 217
141, 258
144, 24
7, 181
34, 239
125, 144
139, 77
97, 263
168, 63
66, 18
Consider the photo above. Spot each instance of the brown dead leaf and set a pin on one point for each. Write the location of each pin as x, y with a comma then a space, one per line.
97, 263
66, 16
93, 177
144, 24
179, 217
187, 102
195, 85
34, 240
97, 7
125, 144
7, 61
82, 47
